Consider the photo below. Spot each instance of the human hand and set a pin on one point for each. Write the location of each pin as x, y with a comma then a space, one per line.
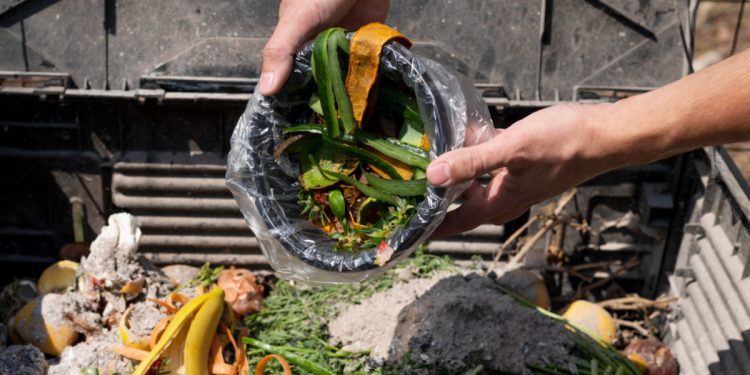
300, 21
536, 158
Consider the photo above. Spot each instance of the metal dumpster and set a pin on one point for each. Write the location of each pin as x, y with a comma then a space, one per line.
110, 106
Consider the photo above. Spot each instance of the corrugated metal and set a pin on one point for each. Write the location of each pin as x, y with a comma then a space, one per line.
187, 215
710, 328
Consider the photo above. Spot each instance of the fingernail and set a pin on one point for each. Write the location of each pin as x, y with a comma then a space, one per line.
266, 82
439, 173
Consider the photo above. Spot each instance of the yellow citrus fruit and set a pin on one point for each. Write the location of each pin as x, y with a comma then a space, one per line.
41, 323
527, 284
593, 319
58, 277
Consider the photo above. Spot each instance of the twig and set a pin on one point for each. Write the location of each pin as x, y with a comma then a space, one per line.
512, 238
549, 223
630, 264
569, 270
634, 325
576, 270
637, 303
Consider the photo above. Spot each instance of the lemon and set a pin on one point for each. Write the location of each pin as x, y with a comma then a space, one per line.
593, 319
58, 277
40, 323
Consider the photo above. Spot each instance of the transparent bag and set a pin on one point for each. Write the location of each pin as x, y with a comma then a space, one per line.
454, 115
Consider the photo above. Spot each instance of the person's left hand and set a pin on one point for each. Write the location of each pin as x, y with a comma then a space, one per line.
536, 158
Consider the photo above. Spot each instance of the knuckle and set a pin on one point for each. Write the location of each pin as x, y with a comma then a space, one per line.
475, 164
272, 52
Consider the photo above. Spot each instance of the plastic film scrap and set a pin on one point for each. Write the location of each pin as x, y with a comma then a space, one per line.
454, 115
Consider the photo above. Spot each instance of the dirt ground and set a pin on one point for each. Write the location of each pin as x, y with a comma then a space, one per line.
715, 26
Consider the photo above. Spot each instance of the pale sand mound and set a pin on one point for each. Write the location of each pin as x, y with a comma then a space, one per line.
451, 322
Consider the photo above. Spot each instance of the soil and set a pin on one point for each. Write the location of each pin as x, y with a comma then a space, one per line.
180, 273
356, 331
144, 317
50, 309
92, 353
3, 336
81, 310
113, 261
22, 360
451, 322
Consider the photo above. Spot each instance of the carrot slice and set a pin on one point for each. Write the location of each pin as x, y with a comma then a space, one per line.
217, 363
261, 367
158, 330
364, 60
402, 169
425, 145
129, 353
171, 309
177, 297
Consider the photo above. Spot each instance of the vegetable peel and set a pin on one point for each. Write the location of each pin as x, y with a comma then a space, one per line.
130, 339
178, 344
364, 61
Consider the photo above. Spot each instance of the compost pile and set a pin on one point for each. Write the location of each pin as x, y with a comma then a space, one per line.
115, 312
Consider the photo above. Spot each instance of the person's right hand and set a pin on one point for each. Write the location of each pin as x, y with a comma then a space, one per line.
300, 21
536, 158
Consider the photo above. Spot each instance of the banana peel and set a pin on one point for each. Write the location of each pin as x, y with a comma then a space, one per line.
186, 340
130, 339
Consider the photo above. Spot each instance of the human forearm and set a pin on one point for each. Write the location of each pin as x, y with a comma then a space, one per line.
559, 147
707, 108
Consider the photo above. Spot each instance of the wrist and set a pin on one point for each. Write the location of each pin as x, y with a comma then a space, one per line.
603, 149
621, 135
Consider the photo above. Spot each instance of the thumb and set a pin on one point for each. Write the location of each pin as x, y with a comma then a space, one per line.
299, 21
469, 163
278, 56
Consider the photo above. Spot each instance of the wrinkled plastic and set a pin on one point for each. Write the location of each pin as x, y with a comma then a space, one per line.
266, 190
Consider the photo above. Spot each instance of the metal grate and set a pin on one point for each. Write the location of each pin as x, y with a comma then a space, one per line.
187, 215
710, 330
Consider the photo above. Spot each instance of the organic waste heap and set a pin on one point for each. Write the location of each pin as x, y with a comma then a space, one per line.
115, 312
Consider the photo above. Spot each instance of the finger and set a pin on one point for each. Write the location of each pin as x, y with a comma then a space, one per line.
473, 190
470, 162
475, 210
299, 21
491, 204
278, 56
466, 217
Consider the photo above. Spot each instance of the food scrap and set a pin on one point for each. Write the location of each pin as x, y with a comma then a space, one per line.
363, 153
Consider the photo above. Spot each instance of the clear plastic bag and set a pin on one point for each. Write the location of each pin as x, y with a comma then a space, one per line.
454, 115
